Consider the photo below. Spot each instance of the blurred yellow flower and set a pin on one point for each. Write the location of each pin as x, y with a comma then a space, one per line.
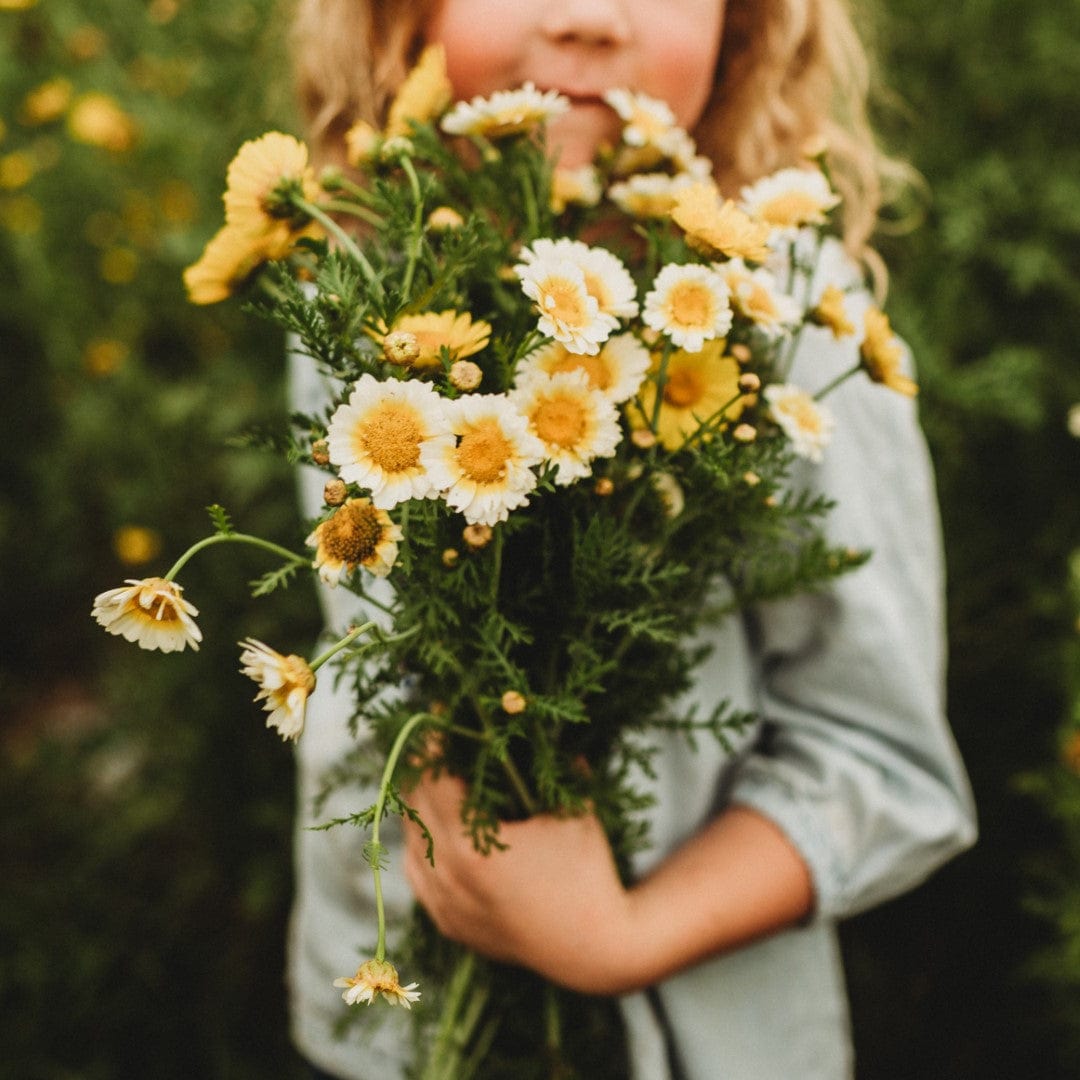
230, 256
719, 227
118, 265
21, 214
103, 356
96, 119
47, 102
831, 313
16, 170
882, 355
261, 179
86, 42
425, 93
178, 201
136, 545
16, 5
361, 143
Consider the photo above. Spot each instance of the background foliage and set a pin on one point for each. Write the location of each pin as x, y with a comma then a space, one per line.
144, 811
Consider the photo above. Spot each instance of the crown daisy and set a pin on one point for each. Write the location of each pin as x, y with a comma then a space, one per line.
285, 682
806, 423
151, 612
690, 304
882, 355
505, 113
616, 371
790, 198
377, 978
356, 534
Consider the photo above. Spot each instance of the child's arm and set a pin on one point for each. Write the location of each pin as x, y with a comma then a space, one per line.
553, 901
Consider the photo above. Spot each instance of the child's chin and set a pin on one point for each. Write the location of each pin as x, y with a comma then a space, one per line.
576, 136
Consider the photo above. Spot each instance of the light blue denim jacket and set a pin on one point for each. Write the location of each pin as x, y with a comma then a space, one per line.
852, 759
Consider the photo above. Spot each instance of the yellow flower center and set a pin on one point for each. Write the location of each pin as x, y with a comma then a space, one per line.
298, 674
560, 421
484, 452
564, 301
690, 303
597, 288
594, 367
683, 388
791, 208
352, 535
390, 435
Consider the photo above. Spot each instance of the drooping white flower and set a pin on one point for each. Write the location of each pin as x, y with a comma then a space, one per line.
377, 978
151, 612
285, 684
807, 424
689, 304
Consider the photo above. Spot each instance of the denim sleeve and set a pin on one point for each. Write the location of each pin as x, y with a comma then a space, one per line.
856, 763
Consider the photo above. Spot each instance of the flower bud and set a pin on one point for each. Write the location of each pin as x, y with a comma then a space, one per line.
604, 486
513, 703
741, 352
401, 347
744, 433
642, 438
444, 218
751, 479
749, 383
450, 557
465, 375
476, 536
320, 452
335, 492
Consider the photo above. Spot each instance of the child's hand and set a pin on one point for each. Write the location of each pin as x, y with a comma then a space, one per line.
552, 901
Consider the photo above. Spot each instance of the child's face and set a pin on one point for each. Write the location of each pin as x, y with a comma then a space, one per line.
664, 48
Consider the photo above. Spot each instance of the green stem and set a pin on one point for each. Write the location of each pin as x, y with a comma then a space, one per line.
709, 424
348, 639
843, 377
417, 228
340, 206
661, 382
406, 731
342, 237
238, 538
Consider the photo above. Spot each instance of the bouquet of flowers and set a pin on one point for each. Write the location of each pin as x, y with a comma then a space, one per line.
562, 428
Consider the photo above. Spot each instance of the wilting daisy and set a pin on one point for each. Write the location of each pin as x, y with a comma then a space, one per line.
617, 370
259, 182
487, 471
376, 438
690, 304
285, 682
506, 112
806, 423
151, 612
356, 534
882, 355
377, 978
646, 121
457, 332
757, 296
577, 187
649, 195
790, 198
698, 387
424, 94
227, 260
831, 312
575, 423
568, 311
719, 227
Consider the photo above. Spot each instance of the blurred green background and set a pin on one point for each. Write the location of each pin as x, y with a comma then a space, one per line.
144, 810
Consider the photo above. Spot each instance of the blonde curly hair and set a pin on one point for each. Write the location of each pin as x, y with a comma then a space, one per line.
790, 73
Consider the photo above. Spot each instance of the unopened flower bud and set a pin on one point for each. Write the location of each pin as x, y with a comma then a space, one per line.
396, 146
814, 147
401, 347
604, 486
513, 703
330, 179
335, 492
741, 352
749, 383
476, 536
465, 375
444, 218
320, 452
751, 479
744, 433
642, 438
450, 556
361, 143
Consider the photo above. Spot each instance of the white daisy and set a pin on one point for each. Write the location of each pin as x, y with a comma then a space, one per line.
649, 195
575, 187
568, 311
374, 979
606, 277
690, 304
506, 112
376, 438
647, 121
151, 612
487, 471
790, 198
807, 424
757, 296
574, 422
285, 682
616, 371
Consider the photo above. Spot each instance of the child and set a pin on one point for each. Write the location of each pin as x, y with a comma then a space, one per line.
849, 790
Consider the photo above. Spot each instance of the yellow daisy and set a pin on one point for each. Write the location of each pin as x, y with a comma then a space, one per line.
688, 303
458, 332
882, 355
285, 684
377, 978
227, 260
376, 438
425, 93
719, 227
151, 612
356, 534
616, 371
806, 423
575, 423
697, 386
487, 471
98, 120
259, 182
790, 198
831, 313
505, 113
